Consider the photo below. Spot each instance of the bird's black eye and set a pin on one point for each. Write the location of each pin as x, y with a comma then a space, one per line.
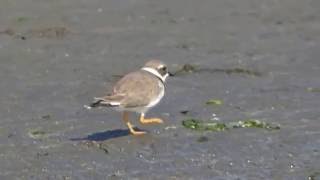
163, 70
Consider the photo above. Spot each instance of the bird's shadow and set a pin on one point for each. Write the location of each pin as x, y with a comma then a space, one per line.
105, 135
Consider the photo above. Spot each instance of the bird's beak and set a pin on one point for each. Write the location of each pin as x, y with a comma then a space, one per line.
171, 74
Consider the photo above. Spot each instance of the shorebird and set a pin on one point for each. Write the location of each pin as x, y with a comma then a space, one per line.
137, 92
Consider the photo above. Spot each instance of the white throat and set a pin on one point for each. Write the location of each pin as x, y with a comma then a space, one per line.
156, 73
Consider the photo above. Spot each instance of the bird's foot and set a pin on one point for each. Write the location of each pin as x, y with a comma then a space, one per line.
137, 133
151, 121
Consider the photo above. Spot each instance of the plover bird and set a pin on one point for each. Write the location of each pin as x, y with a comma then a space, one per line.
137, 92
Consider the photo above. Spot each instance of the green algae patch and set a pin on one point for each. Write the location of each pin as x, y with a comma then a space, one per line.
196, 124
37, 134
22, 19
192, 68
239, 71
186, 68
199, 125
254, 123
314, 90
214, 102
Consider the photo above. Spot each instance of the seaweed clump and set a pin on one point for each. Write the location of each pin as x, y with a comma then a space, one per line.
196, 124
214, 102
191, 68
37, 134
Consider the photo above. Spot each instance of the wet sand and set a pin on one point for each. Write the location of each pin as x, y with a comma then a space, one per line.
56, 55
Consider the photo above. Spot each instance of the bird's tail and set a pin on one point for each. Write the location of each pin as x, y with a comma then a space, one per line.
102, 102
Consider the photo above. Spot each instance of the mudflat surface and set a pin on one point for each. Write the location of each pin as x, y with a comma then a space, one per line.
56, 55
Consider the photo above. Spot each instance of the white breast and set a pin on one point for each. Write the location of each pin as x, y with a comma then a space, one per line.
157, 99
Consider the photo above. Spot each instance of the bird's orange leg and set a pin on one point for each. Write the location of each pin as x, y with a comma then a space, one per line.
150, 120
125, 117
